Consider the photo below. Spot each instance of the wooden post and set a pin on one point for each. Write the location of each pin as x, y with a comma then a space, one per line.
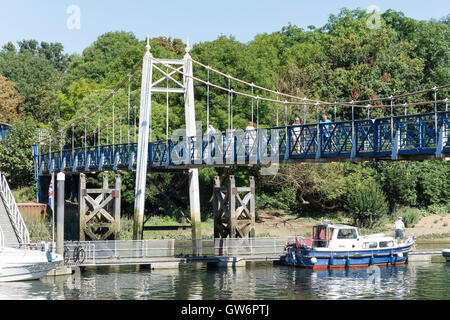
232, 197
82, 205
117, 197
234, 216
100, 215
60, 177
216, 206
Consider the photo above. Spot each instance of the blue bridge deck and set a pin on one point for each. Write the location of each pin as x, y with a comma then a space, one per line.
412, 137
4, 130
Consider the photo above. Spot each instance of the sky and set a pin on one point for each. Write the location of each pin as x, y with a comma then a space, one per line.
77, 23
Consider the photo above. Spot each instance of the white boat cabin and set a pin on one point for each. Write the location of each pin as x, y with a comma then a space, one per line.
343, 237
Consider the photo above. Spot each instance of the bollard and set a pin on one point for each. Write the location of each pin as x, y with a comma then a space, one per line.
60, 213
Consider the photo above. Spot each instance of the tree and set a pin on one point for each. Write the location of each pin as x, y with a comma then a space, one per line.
10, 101
398, 180
95, 59
365, 202
35, 79
70, 102
16, 155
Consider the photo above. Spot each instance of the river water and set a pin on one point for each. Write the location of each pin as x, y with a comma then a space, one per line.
424, 280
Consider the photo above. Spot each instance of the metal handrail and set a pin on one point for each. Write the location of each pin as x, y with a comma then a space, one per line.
13, 211
2, 239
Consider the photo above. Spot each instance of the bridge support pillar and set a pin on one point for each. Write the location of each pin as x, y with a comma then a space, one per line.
194, 201
234, 216
100, 214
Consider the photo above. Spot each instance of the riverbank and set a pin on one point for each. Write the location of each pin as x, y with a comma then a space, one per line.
274, 223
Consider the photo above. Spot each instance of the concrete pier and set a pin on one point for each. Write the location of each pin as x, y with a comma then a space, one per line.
60, 271
165, 265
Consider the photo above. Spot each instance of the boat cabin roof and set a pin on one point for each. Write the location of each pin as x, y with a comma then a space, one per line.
335, 225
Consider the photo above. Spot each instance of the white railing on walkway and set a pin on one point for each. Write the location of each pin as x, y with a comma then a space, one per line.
13, 211
128, 250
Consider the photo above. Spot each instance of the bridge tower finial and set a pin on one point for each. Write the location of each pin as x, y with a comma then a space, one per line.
148, 47
187, 46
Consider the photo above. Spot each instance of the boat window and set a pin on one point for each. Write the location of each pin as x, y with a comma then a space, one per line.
369, 245
347, 234
385, 244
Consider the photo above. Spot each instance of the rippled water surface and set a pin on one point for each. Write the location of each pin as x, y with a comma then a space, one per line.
256, 281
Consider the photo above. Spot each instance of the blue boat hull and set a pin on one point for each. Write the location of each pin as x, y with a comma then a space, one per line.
310, 258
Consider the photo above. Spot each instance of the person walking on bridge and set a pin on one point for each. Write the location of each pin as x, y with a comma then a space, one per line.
296, 135
209, 143
250, 138
327, 129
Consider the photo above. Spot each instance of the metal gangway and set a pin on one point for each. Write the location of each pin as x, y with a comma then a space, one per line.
153, 251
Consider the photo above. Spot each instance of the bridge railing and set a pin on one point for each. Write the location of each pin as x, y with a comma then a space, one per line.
407, 135
4, 130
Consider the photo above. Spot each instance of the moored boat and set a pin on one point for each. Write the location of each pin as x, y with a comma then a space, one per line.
341, 246
446, 254
26, 263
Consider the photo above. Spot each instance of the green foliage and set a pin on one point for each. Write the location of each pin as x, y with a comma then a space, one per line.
398, 180
340, 61
284, 199
365, 202
10, 101
70, 102
36, 72
439, 209
16, 154
433, 183
39, 231
25, 194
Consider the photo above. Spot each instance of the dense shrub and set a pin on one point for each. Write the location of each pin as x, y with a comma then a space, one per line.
366, 203
410, 216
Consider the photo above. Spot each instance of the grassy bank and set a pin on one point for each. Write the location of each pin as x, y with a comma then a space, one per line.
425, 224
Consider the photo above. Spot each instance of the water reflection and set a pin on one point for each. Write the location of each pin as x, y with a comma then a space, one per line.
256, 281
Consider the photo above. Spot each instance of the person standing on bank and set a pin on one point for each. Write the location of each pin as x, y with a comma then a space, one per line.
399, 228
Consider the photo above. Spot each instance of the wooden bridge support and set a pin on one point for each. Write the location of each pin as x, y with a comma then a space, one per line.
234, 216
99, 215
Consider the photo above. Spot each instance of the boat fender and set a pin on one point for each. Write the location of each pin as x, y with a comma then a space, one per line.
347, 262
294, 258
372, 260
331, 262
392, 258
49, 256
313, 260
400, 255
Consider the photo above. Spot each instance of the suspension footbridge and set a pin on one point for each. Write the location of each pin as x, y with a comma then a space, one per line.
400, 135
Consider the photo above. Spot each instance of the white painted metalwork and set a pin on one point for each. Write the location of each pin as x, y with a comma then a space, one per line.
13, 211
142, 153
148, 87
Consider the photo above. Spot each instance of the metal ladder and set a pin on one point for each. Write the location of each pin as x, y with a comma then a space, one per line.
13, 213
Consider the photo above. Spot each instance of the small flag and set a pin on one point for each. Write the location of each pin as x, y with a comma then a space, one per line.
50, 195
297, 243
